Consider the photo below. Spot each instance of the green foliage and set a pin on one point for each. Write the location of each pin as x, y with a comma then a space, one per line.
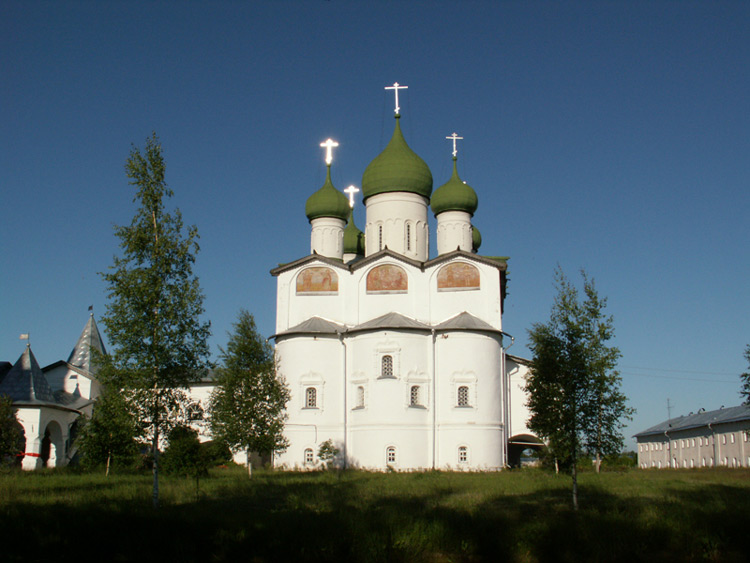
573, 386
160, 344
12, 438
327, 453
247, 405
217, 452
745, 378
109, 437
184, 455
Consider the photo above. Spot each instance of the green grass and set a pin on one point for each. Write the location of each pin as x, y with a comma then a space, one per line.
681, 515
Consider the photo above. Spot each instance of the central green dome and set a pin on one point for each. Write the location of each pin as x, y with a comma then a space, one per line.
397, 169
327, 202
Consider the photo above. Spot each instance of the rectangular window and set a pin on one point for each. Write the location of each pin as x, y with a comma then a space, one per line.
390, 454
311, 398
463, 396
386, 366
463, 454
414, 400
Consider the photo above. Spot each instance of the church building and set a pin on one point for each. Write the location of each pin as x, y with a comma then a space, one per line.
397, 357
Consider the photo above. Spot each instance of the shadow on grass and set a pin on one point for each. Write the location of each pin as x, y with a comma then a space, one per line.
372, 517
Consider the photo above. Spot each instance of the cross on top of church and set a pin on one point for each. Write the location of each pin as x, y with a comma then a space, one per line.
350, 191
328, 145
455, 137
396, 87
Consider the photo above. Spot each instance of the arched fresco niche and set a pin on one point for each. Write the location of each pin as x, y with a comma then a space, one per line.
317, 280
387, 278
458, 276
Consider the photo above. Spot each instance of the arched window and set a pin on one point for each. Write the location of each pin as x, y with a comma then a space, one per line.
390, 455
463, 454
414, 396
195, 412
311, 398
309, 456
360, 397
386, 366
463, 396
408, 236
380, 237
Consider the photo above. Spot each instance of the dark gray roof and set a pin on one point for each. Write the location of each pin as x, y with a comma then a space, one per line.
390, 320
314, 325
700, 419
25, 382
466, 321
81, 354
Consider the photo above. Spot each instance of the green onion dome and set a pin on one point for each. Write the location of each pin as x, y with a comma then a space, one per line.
327, 202
476, 238
354, 239
397, 169
454, 195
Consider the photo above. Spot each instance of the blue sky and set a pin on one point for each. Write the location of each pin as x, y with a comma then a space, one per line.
609, 136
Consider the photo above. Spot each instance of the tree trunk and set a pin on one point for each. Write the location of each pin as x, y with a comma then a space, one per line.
557, 467
155, 495
574, 474
109, 457
249, 466
598, 462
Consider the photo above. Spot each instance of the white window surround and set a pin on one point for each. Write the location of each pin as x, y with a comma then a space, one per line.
309, 456
463, 454
468, 380
307, 381
379, 363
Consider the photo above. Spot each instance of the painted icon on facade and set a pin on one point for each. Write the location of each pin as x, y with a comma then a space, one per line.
456, 276
387, 278
317, 280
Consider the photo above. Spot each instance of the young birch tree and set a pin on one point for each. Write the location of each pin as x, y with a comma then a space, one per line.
573, 385
247, 405
153, 317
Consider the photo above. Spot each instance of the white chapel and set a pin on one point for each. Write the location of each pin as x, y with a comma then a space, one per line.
397, 357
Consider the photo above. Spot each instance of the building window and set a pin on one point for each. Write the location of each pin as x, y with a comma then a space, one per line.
195, 412
390, 455
360, 397
724, 440
380, 237
731, 438
414, 396
463, 454
309, 456
408, 236
463, 396
386, 366
311, 398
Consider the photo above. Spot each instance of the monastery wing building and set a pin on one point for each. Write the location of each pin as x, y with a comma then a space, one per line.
398, 358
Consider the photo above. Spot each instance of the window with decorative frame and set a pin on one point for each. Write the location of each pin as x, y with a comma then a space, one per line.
309, 457
390, 455
311, 398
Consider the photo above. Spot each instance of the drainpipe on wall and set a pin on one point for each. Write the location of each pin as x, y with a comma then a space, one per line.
713, 441
434, 402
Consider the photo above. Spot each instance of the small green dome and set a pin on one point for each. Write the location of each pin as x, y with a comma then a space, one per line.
454, 195
397, 169
327, 202
354, 239
476, 238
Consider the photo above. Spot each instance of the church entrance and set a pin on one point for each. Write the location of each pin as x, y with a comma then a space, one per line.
519, 444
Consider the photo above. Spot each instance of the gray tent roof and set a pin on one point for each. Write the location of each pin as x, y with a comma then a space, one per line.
466, 321
314, 325
700, 419
25, 382
90, 338
390, 320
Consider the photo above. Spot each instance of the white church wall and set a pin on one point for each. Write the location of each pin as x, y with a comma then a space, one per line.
519, 410
391, 212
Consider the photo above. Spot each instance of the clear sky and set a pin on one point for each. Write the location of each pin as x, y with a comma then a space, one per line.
609, 136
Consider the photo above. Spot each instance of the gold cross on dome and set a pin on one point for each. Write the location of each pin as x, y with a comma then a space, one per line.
328, 145
455, 137
396, 87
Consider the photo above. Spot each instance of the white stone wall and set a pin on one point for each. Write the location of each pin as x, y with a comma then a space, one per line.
396, 213
454, 232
